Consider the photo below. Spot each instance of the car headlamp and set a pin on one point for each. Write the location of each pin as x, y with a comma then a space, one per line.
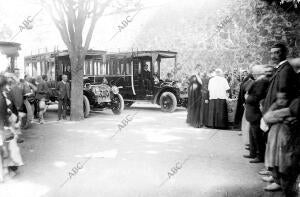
95, 90
115, 89
179, 86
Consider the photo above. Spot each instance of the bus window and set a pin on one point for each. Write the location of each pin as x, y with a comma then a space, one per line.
116, 67
91, 67
52, 70
102, 69
127, 68
42, 65
34, 69
105, 69
155, 67
110, 67
38, 70
87, 63
47, 68
68, 68
98, 68
30, 68
95, 67
122, 70
140, 68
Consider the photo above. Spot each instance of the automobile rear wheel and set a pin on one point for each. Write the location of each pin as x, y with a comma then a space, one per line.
26, 120
117, 103
168, 102
86, 107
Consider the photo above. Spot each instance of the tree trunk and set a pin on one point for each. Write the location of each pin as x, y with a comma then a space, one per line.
77, 61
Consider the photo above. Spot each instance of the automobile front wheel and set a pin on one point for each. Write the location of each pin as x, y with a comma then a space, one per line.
168, 102
86, 107
117, 103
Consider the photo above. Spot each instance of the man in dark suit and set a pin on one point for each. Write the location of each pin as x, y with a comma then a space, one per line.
63, 88
146, 77
284, 80
41, 95
244, 87
256, 93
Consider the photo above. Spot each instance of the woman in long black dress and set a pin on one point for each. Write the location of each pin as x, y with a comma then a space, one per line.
194, 102
204, 100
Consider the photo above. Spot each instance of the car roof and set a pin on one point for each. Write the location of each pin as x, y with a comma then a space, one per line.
10, 48
161, 54
64, 53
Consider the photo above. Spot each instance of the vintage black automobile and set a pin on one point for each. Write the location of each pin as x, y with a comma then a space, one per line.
95, 94
101, 95
125, 70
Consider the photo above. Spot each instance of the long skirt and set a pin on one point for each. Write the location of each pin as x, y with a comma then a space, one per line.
245, 129
217, 114
10, 156
194, 105
280, 148
204, 107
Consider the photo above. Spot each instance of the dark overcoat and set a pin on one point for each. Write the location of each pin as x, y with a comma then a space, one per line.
285, 80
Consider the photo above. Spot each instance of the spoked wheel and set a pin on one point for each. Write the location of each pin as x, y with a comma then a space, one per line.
117, 103
168, 102
86, 107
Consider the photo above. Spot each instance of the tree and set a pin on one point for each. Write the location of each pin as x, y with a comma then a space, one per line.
72, 18
288, 5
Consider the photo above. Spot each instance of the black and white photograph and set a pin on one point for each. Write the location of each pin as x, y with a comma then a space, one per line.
149, 98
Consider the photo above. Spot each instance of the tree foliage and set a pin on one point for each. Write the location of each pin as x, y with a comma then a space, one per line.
288, 5
71, 17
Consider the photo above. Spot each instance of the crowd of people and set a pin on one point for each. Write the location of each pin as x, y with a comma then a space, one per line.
208, 95
268, 111
270, 97
15, 114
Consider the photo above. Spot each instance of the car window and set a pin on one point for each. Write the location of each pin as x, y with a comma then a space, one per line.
110, 67
103, 69
91, 67
155, 67
116, 67
87, 67
119, 67
140, 68
34, 73
128, 68
122, 70
98, 67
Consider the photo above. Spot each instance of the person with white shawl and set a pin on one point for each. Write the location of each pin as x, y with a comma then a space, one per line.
218, 88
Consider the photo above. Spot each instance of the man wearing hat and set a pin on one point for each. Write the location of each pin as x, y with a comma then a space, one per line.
284, 77
256, 93
284, 80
